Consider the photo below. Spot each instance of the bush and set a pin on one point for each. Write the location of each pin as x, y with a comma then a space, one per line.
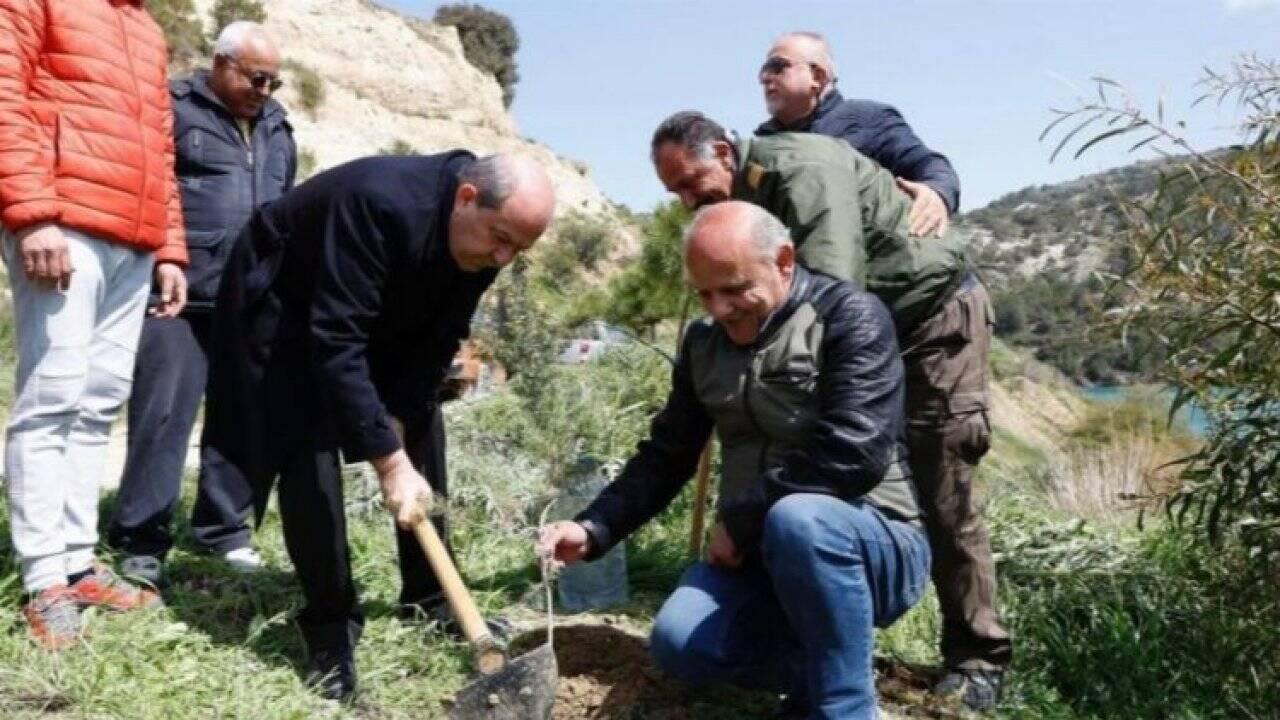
652, 288
489, 41
182, 31
398, 147
1205, 247
602, 408
307, 163
308, 86
579, 243
226, 12
1159, 626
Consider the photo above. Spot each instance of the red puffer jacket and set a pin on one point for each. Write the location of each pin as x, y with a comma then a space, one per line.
86, 130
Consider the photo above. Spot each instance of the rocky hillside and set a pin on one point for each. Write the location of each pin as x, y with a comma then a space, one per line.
1038, 248
395, 83
1056, 227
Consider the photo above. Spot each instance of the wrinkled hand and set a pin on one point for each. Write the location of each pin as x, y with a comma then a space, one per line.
722, 552
564, 543
173, 290
46, 258
928, 214
405, 493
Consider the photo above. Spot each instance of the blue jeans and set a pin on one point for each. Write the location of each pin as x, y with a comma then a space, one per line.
803, 623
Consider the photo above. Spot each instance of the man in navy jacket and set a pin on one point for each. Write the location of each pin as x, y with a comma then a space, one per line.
799, 82
798, 78
234, 152
341, 308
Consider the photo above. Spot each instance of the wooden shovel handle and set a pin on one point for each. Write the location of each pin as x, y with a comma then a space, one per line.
700, 502
488, 652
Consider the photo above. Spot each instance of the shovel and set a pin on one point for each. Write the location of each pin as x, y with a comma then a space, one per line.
519, 689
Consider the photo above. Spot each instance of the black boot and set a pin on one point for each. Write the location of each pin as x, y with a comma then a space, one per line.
332, 646
333, 673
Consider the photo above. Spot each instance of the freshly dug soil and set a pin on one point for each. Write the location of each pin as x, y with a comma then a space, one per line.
606, 672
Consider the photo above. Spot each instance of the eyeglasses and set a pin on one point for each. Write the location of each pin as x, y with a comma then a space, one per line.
259, 79
777, 65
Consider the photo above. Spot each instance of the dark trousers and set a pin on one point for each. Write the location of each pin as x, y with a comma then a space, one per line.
315, 532
948, 432
169, 382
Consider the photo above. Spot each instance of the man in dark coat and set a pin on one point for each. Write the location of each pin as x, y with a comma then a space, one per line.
340, 310
235, 152
799, 82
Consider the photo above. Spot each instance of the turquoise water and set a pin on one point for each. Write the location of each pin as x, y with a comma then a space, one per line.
1191, 414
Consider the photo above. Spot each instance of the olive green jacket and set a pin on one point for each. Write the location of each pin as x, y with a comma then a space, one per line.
849, 220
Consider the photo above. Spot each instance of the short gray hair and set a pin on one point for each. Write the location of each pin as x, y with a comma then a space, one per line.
492, 177
823, 57
231, 40
768, 234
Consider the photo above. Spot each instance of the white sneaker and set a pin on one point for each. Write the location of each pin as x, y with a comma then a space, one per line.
244, 560
143, 567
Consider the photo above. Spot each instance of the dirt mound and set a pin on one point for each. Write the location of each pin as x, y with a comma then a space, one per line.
606, 672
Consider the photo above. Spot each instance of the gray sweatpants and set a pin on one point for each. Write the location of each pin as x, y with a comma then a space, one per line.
75, 366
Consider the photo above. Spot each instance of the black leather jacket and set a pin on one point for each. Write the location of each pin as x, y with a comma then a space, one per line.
814, 405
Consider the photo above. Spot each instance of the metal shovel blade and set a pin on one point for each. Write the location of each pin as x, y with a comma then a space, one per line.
525, 689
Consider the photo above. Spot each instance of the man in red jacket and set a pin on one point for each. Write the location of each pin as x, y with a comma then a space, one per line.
88, 204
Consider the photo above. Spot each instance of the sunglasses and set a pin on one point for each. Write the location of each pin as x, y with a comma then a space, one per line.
259, 79
777, 65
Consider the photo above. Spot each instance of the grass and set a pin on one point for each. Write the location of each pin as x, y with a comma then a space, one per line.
226, 646
1110, 621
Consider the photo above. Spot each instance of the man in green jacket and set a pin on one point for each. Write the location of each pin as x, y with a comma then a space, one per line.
849, 220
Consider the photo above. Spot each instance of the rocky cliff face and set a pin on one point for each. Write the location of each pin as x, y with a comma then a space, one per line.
394, 81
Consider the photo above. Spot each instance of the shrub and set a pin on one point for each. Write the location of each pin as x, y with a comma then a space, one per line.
182, 31
489, 42
398, 147
308, 86
225, 12
652, 288
581, 242
1158, 626
1205, 247
307, 163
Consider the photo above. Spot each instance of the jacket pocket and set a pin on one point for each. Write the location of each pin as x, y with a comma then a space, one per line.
204, 269
973, 436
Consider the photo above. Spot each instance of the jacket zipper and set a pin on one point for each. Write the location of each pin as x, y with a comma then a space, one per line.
137, 96
746, 407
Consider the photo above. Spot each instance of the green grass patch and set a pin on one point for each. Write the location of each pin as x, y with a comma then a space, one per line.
1109, 621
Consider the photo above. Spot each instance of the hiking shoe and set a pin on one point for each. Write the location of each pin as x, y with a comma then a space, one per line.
977, 689
54, 617
333, 674
243, 560
147, 568
102, 587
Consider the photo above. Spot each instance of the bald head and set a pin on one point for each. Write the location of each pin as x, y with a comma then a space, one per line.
735, 227
741, 261
503, 204
798, 71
